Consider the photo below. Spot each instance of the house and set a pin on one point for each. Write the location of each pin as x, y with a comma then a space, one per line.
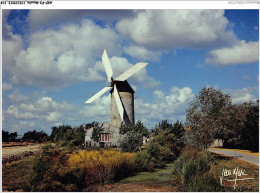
217, 143
109, 137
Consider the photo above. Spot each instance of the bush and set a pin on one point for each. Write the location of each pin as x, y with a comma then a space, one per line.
188, 153
132, 136
51, 173
192, 167
142, 160
156, 153
204, 183
131, 141
103, 166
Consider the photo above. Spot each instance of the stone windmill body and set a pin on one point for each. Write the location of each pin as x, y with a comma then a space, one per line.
122, 94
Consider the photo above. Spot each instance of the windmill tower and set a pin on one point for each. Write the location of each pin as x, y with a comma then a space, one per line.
122, 94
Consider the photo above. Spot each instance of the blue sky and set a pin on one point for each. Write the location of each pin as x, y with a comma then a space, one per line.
52, 62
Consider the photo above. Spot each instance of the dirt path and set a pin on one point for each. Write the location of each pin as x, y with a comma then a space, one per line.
10, 154
137, 187
251, 158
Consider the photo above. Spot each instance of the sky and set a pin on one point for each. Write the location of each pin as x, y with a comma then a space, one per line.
51, 62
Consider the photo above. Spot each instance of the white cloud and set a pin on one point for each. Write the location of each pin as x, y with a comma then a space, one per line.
17, 97
242, 53
167, 29
7, 87
45, 105
242, 95
39, 19
27, 124
98, 111
15, 113
44, 110
58, 57
53, 116
169, 106
142, 53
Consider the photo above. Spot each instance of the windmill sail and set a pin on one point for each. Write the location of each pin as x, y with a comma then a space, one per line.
107, 66
131, 71
98, 94
119, 103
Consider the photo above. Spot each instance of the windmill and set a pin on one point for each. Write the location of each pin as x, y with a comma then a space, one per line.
122, 94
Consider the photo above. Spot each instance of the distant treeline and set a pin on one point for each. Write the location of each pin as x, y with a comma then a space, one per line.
28, 136
6, 136
63, 134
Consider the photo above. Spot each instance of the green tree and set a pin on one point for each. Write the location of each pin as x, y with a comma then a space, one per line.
5, 135
242, 126
206, 116
163, 125
96, 133
251, 132
36, 136
65, 135
132, 136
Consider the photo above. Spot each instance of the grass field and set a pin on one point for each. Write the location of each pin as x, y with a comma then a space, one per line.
14, 177
14, 174
158, 175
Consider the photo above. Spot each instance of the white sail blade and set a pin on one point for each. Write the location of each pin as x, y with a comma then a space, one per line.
107, 66
104, 90
131, 71
119, 103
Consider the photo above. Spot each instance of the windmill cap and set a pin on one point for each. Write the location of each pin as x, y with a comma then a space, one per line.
123, 86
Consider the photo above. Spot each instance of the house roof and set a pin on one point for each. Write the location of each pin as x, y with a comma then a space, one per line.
104, 123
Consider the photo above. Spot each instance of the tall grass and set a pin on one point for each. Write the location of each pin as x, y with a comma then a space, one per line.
193, 169
103, 166
50, 173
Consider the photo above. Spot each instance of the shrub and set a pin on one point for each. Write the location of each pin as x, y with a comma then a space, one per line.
204, 183
188, 153
142, 160
131, 141
188, 171
193, 169
51, 173
103, 166
132, 136
156, 153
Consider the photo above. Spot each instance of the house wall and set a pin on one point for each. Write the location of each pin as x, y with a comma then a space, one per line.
114, 136
217, 143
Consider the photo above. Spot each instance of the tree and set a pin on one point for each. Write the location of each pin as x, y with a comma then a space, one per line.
65, 135
178, 131
36, 136
12, 136
251, 132
96, 133
138, 128
163, 125
132, 136
206, 116
243, 126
